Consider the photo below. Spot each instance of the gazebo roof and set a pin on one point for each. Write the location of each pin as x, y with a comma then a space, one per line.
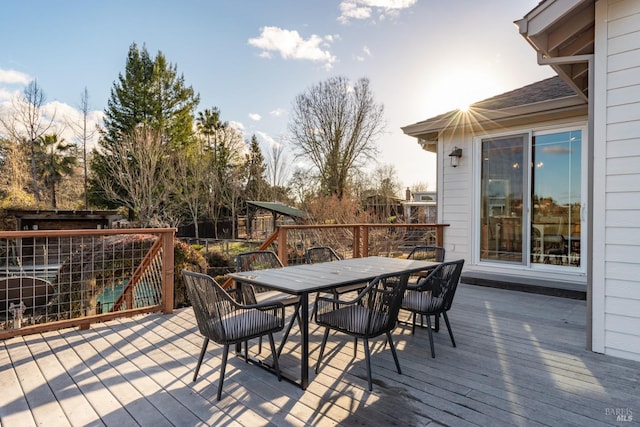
279, 208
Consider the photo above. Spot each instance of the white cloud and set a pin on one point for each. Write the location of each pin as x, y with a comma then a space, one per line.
367, 53
9, 78
364, 9
68, 122
350, 10
14, 77
7, 95
255, 116
278, 112
237, 126
291, 45
65, 120
265, 137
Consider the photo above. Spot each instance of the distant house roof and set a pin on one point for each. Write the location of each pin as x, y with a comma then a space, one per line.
551, 98
279, 208
56, 219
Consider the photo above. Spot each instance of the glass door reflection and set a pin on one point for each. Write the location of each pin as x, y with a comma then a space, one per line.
556, 199
502, 199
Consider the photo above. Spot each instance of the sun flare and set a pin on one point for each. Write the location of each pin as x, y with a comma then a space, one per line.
460, 88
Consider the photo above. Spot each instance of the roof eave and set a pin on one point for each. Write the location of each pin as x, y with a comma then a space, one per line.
562, 29
477, 120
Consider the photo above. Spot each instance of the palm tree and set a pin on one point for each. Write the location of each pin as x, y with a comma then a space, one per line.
56, 160
208, 122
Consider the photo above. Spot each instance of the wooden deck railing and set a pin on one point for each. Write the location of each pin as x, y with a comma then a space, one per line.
92, 276
350, 240
89, 275
362, 239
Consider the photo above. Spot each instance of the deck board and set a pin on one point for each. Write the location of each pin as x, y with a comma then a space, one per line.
520, 360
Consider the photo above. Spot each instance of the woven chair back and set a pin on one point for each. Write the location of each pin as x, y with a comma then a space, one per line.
443, 283
427, 253
210, 304
320, 254
257, 260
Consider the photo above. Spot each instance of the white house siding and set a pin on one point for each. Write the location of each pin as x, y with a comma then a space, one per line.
456, 208
616, 273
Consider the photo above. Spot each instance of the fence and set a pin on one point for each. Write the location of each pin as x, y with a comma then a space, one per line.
56, 279
356, 240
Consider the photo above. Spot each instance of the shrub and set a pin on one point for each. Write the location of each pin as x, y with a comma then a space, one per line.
185, 258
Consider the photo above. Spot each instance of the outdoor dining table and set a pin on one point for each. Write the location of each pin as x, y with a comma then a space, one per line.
305, 279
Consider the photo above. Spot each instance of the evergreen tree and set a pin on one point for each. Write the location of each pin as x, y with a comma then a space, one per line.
256, 187
149, 95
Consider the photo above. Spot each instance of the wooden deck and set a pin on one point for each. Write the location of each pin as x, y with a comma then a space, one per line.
520, 360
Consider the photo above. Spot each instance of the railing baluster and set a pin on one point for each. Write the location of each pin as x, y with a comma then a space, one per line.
74, 272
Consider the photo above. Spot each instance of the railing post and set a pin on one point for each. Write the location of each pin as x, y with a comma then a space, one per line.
365, 241
356, 241
439, 236
167, 271
282, 245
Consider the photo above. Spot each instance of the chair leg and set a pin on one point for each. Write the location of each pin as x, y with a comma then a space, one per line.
324, 342
223, 367
446, 320
274, 354
433, 351
368, 360
260, 345
437, 328
202, 352
315, 306
355, 347
413, 325
393, 352
289, 326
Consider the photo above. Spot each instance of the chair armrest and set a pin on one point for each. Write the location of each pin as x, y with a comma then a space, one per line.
330, 300
262, 306
277, 308
252, 303
426, 283
336, 304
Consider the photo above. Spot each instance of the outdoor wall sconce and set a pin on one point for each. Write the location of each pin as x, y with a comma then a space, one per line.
455, 156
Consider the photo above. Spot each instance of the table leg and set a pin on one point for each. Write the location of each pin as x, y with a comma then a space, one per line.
239, 298
304, 330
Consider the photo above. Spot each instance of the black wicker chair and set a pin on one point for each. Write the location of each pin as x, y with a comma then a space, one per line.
252, 294
373, 313
433, 295
427, 253
221, 319
327, 254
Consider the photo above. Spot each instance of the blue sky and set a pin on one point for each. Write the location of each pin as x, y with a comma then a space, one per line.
251, 58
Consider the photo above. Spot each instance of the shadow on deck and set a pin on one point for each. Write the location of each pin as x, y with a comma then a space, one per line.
520, 360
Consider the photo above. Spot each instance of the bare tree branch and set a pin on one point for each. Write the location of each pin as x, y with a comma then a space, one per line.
335, 125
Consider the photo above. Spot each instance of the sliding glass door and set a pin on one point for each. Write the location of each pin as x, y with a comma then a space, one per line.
502, 198
556, 198
540, 174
